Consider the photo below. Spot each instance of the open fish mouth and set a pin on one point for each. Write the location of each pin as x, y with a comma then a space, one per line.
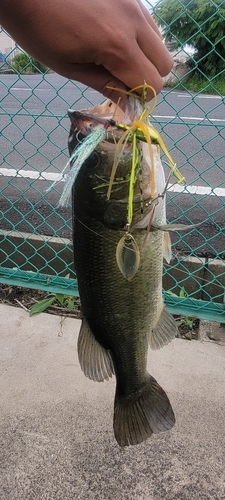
118, 132
105, 115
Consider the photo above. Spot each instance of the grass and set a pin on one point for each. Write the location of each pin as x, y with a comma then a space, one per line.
198, 83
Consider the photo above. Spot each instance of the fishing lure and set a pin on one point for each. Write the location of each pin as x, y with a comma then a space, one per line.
127, 251
143, 131
128, 256
78, 157
140, 130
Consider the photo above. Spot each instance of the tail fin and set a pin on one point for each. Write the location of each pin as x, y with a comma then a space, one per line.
139, 415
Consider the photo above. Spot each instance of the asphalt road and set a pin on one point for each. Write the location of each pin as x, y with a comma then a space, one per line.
34, 126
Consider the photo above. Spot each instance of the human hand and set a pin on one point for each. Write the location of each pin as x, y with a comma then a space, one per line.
97, 42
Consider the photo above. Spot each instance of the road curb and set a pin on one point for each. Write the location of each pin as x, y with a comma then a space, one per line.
201, 278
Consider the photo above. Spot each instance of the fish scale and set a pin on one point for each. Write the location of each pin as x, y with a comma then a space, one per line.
111, 304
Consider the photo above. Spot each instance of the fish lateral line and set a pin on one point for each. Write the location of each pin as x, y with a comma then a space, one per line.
104, 237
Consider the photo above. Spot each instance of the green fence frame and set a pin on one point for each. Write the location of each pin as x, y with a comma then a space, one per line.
35, 235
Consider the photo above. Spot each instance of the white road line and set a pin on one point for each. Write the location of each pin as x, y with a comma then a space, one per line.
196, 118
209, 96
199, 190
200, 96
31, 174
215, 119
187, 94
30, 90
51, 176
165, 116
21, 88
193, 118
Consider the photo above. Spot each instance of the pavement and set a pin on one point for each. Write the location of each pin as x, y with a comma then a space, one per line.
56, 436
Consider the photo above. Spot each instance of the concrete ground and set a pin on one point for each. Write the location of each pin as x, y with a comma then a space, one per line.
56, 436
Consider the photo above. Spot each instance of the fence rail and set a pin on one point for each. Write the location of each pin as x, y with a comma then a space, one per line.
35, 235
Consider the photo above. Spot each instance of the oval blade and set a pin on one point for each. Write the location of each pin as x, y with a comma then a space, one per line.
128, 256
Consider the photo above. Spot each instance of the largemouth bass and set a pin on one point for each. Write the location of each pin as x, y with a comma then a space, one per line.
122, 315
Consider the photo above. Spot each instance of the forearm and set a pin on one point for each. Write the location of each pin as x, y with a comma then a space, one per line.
54, 32
27, 22
16, 16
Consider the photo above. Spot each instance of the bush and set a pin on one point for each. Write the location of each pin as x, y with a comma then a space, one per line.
199, 83
28, 65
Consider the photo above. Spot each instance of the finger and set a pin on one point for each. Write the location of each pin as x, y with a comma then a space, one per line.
149, 18
96, 77
154, 49
150, 42
145, 71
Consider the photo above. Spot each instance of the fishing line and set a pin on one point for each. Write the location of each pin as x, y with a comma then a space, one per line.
112, 241
98, 234
78, 157
189, 274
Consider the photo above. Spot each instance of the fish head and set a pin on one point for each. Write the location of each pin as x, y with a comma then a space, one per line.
97, 168
98, 165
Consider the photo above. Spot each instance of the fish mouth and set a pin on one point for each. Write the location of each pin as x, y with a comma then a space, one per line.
105, 115
109, 116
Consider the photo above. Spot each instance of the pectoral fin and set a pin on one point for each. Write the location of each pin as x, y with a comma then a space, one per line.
175, 227
95, 361
164, 330
167, 252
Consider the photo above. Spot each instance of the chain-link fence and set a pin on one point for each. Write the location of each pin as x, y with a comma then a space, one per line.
35, 235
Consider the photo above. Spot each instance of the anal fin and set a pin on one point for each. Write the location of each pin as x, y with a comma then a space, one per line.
95, 361
164, 330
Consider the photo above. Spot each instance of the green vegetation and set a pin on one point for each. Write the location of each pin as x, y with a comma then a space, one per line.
184, 322
187, 322
200, 24
26, 64
197, 83
65, 301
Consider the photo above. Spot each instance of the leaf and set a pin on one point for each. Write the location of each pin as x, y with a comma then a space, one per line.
41, 306
60, 297
70, 305
183, 293
168, 292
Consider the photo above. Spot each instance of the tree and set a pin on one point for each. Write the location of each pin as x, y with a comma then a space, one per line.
199, 23
26, 64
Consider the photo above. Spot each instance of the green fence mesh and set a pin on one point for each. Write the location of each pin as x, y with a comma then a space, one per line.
35, 235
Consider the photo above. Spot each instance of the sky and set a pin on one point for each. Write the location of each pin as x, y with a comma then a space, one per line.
149, 3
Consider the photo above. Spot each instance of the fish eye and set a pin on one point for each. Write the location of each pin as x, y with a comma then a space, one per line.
92, 161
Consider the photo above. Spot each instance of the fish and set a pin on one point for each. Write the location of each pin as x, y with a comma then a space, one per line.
123, 312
